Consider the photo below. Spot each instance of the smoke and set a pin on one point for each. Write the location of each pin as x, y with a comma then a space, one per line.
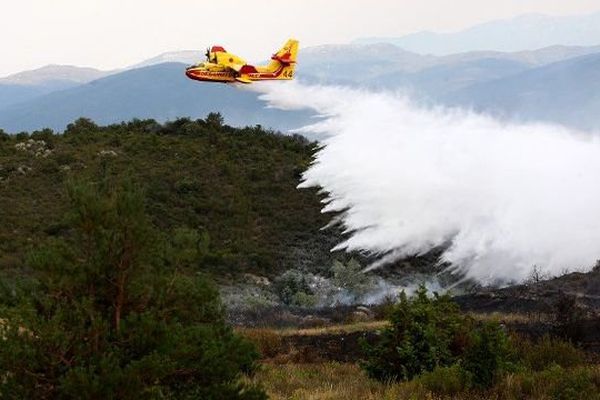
503, 197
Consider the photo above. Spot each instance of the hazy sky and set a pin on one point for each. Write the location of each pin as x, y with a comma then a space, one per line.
114, 33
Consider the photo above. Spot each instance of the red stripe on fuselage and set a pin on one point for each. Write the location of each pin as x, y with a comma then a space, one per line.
267, 75
212, 76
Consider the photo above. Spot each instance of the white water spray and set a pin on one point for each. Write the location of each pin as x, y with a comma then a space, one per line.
504, 197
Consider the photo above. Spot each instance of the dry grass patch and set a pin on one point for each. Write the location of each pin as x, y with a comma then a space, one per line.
311, 345
507, 318
336, 329
329, 381
346, 381
323, 330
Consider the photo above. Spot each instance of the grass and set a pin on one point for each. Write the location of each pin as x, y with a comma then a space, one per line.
289, 346
333, 381
512, 318
278, 345
272, 345
364, 326
549, 369
507, 318
323, 330
324, 381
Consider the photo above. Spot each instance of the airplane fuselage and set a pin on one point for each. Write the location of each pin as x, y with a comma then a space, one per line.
214, 73
221, 66
204, 75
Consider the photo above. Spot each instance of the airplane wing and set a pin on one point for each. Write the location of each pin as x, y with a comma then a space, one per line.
230, 60
243, 79
236, 67
243, 73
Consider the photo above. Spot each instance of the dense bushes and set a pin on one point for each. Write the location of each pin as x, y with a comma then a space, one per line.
237, 185
425, 333
487, 354
293, 288
448, 352
349, 276
118, 311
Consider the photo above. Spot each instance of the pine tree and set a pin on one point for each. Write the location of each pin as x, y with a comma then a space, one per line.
120, 312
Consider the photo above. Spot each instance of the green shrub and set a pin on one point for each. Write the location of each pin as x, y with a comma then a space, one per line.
81, 126
555, 382
573, 384
303, 299
187, 186
81, 131
48, 166
384, 309
430, 333
45, 134
537, 356
558, 383
293, 288
444, 380
350, 276
214, 120
64, 158
4, 137
488, 354
425, 333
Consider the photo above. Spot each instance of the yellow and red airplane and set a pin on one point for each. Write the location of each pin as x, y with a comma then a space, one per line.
221, 66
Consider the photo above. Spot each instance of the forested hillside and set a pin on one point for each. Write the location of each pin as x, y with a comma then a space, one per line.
235, 187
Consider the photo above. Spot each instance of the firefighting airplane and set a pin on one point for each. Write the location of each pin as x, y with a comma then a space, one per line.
221, 66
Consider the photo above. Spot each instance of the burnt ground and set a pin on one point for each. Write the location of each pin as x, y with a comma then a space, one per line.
567, 306
281, 317
541, 296
574, 295
339, 347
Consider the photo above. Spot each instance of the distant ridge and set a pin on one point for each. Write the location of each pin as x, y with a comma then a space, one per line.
484, 80
48, 73
525, 32
187, 57
27, 85
566, 92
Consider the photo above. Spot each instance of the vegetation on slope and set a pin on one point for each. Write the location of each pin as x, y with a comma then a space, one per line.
108, 302
235, 187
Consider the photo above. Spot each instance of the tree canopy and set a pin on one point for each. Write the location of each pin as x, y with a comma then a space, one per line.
117, 309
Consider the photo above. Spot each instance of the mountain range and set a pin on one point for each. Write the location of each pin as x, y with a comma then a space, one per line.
525, 32
555, 84
566, 92
27, 85
158, 91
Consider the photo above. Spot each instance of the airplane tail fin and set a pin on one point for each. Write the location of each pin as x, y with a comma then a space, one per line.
285, 59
